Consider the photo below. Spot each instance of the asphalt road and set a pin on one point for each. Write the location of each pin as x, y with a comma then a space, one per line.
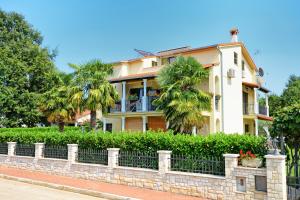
13, 190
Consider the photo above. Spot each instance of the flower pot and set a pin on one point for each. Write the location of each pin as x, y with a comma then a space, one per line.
253, 162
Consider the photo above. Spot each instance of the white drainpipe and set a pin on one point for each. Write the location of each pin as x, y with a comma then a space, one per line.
222, 88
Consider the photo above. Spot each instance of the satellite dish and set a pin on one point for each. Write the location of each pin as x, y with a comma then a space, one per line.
261, 72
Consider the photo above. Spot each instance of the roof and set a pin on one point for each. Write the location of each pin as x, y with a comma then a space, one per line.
265, 90
148, 74
187, 49
252, 85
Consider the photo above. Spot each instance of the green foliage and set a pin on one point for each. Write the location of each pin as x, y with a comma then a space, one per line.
90, 89
212, 145
26, 71
287, 122
182, 101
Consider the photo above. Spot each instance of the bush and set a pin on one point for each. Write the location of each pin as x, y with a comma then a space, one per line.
212, 145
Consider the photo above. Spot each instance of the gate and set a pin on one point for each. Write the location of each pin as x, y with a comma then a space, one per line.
293, 174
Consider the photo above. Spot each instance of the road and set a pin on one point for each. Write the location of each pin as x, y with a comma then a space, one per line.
13, 190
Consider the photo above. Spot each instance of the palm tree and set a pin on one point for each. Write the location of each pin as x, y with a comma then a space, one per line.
56, 106
90, 89
182, 101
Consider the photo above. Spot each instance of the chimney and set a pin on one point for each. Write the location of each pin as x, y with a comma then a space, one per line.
234, 32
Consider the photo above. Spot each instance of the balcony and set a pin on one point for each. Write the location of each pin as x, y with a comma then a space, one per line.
263, 110
248, 109
134, 105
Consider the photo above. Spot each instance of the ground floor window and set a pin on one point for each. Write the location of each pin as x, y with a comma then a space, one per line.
109, 127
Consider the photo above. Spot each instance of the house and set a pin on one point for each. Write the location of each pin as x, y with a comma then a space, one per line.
234, 82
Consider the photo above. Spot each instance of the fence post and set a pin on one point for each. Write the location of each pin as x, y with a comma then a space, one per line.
113, 155
39, 150
231, 161
11, 148
276, 177
164, 161
72, 152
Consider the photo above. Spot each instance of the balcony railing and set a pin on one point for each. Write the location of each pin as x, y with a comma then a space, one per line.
248, 109
263, 110
134, 105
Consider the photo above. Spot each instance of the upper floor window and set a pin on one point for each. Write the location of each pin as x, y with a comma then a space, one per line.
154, 64
168, 60
243, 65
235, 57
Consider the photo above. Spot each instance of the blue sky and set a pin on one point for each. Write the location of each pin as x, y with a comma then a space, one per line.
111, 29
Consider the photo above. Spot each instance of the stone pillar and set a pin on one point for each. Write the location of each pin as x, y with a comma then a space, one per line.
11, 151
144, 103
256, 127
144, 123
164, 161
231, 161
72, 152
123, 100
39, 150
104, 124
276, 177
113, 157
123, 123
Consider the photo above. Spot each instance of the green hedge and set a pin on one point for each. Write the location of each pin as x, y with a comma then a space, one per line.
212, 145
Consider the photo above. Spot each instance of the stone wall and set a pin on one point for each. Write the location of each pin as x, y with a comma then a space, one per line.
238, 182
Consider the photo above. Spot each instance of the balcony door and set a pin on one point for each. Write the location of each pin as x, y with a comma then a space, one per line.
245, 103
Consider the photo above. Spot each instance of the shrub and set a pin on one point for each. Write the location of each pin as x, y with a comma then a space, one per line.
212, 145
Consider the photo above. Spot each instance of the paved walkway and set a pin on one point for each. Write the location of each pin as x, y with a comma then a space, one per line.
140, 193
14, 190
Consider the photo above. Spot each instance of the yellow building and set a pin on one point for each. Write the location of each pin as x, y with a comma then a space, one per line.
233, 82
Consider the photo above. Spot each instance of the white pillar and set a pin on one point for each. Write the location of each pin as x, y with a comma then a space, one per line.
11, 148
194, 131
144, 103
72, 152
256, 127
123, 124
113, 155
39, 150
123, 101
164, 161
167, 125
144, 123
256, 109
267, 103
104, 124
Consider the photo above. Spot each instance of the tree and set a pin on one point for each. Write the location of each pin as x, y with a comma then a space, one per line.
26, 71
56, 106
182, 101
90, 89
289, 96
287, 123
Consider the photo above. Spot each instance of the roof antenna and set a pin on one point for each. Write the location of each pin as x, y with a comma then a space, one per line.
143, 53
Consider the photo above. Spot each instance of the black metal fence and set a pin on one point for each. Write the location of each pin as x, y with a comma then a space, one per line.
3, 148
95, 156
138, 159
293, 179
59, 152
25, 150
204, 165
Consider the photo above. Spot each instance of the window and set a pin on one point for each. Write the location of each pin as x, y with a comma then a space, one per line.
246, 128
171, 59
154, 63
243, 65
235, 58
109, 127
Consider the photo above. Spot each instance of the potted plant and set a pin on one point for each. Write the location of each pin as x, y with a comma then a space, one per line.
249, 159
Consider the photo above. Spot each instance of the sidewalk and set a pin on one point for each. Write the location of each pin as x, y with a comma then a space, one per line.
116, 189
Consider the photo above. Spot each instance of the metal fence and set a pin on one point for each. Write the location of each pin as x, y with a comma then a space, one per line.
204, 165
59, 152
3, 148
95, 156
25, 150
138, 159
293, 179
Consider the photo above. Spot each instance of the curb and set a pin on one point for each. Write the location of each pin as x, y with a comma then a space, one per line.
68, 188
